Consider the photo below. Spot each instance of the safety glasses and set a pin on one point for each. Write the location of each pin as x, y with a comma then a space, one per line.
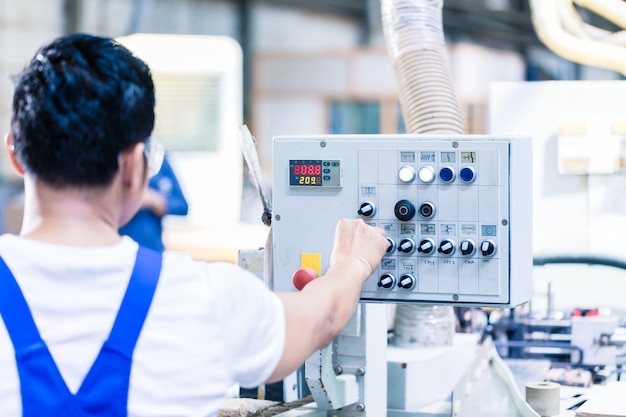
154, 153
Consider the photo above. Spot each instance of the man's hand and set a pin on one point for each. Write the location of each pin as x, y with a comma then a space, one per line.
357, 241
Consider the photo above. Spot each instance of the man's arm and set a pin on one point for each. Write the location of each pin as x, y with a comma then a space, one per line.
318, 313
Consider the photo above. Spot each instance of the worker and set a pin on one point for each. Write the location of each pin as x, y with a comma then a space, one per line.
94, 324
162, 197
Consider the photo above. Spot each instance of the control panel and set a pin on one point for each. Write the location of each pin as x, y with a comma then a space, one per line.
456, 210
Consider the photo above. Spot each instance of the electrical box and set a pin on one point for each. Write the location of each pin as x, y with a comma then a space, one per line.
456, 210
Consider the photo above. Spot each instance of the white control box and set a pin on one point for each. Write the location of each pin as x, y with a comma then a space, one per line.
456, 210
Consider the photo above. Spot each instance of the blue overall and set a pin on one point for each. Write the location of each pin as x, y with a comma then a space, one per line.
104, 391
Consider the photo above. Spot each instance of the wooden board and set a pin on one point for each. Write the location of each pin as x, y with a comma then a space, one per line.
608, 401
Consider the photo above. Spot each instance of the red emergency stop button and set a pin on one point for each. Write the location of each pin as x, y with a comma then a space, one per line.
303, 276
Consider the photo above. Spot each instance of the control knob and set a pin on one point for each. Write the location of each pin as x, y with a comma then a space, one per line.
426, 246
386, 281
467, 248
406, 245
446, 247
407, 282
487, 248
367, 209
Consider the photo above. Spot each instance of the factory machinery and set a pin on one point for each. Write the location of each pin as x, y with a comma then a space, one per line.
458, 226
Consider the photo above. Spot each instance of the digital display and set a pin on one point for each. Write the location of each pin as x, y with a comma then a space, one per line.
314, 173
468, 157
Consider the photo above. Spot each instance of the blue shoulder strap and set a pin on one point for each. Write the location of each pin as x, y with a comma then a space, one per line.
104, 391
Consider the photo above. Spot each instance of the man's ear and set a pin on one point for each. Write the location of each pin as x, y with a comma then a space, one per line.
133, 165
8, 144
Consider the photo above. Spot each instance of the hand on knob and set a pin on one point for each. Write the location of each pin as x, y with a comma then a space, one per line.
302, 277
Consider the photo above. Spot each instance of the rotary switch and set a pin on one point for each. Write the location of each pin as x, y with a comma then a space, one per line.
487, 248
427, 246
446, 247
386, 281
467, 248
406, 246
367, 209
407, 282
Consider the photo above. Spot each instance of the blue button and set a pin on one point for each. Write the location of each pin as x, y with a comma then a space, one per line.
467, 174
446, 174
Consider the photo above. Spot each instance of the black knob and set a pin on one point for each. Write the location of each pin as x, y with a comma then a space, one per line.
390, 245
488, 248
407, 282
406, 246
386, 281
367, 209
446, 247
467, 248
404, 210
426, 246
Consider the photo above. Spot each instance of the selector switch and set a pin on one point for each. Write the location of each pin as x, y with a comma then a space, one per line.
386, 281
406, 174
427, 246
467, 248
406, 246
367, 209
446, 247
407, 282
488, 248
404, 210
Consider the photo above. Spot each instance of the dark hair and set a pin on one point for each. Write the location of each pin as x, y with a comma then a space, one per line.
80, 101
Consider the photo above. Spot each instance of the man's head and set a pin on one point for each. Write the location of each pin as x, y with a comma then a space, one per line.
80, 101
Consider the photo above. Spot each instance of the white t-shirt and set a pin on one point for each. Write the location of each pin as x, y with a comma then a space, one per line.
210, 325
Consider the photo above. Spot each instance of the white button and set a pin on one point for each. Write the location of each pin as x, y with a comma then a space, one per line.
427, 174
406, 174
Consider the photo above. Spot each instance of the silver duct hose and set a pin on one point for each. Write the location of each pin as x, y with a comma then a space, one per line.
413, 32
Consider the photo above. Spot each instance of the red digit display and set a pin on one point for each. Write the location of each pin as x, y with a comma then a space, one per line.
307, 169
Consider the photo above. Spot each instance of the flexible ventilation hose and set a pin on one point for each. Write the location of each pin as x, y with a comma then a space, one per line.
413, 32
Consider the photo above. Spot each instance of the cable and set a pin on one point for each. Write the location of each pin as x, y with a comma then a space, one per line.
579, 259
